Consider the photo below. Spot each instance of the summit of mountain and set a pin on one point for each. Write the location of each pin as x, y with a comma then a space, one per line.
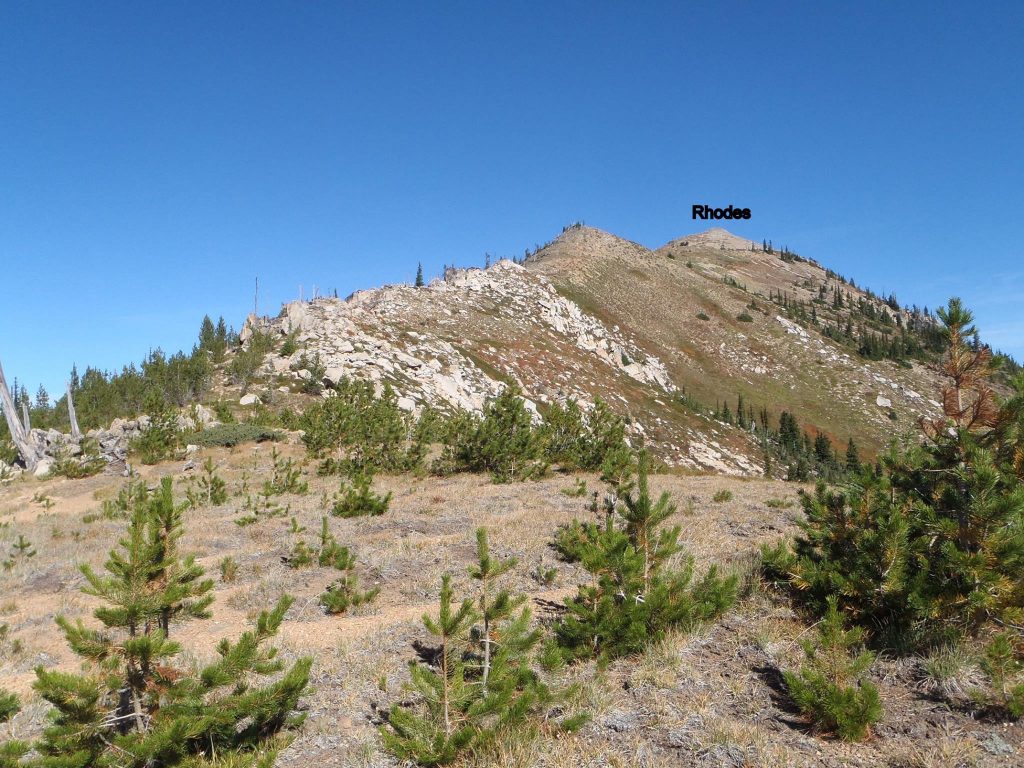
667, 337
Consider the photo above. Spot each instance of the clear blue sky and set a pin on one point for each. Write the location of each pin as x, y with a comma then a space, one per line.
156, 157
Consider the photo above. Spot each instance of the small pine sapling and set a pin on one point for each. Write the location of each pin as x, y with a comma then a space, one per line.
10, 751
343, 593
444, 728
632, 598
356, 499
830, 689
286, 477
1002, 666
577, 490
212, 488
493, 606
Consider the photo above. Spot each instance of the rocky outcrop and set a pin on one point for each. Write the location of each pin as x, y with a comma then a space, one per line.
110, 444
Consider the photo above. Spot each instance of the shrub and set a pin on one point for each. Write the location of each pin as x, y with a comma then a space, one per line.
8, 453
830, 689
87, 464
578, 489
230, 435
633, 598
722, 496
356, 499
228, 569
357, 431
703, 316
744, 317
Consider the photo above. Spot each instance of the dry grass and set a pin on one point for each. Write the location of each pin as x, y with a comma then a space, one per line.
691, 699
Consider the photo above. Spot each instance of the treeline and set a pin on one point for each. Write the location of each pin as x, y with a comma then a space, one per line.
155, 384
786, 448
357, 433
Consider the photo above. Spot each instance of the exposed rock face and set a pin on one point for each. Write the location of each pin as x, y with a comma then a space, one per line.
110, 444
458, 341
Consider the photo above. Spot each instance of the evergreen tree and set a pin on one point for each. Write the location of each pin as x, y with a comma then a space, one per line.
419, 276
852, 457
931, 546
137, 707
830, 688
493, 607
503, 442
632, 599
480, 682
11, 751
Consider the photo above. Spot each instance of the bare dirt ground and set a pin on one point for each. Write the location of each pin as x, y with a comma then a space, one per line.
710, 698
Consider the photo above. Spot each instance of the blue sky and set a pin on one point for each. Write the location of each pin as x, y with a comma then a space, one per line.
156, 157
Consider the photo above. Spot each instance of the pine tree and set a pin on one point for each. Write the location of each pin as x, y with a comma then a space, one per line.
929, 547
343, 593
830, 688
492, 607
444, 729
632, 599
419, 276
503, 443
852, 457
481, 680
136, 706
11, 751
185, 593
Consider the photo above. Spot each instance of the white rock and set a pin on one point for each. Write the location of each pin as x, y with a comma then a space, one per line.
249, 399
43, 468
883, 402
333, 375
407, 404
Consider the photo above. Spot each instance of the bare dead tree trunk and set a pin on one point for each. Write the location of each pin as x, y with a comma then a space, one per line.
21, 439
76, 433
25, 420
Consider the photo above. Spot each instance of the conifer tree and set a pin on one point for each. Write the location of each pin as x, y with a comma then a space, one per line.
852, 457
343, 593
11, 751
830, 688
437, 736
632, 598
492, 607
930, 547
419, 275
135, 706
185, 593
481, 680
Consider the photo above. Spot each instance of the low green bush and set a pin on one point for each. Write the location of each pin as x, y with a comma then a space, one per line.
230, 435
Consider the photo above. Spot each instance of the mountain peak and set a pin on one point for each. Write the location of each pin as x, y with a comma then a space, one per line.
716, 237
